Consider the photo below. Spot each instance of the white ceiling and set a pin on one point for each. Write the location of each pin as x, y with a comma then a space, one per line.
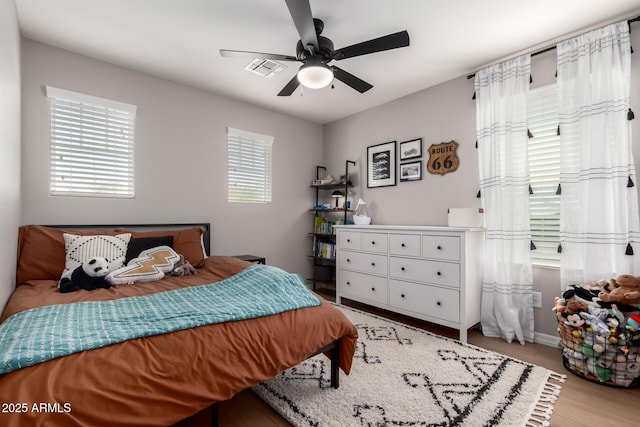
180, 39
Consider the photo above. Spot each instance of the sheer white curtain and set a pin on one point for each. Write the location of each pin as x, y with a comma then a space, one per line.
598, 204
501, 122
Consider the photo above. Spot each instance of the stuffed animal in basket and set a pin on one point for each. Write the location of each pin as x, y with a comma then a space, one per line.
633, 323
89, 276
573, 319
580, 294
626, 292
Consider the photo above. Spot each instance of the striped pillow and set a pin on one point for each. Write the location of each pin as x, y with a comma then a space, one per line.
80, 249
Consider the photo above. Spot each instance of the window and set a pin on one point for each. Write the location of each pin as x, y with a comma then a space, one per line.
91, 145
248, 166
544, 169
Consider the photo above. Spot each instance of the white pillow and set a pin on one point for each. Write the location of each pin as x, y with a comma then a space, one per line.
80, 249
150, 265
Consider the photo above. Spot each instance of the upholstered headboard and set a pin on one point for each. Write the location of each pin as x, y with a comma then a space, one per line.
205, 226
192, 240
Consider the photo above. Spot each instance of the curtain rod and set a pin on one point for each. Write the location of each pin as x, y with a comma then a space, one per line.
629, 21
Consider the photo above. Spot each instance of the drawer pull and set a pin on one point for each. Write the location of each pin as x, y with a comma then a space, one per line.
401, 295
438, 303
348, 283
373, 243
403, 245
373, 264
373, 289
439, 247
402, 268
348, 260
348, 240
439, 274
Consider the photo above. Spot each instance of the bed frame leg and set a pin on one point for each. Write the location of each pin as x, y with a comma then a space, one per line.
215, 414
335, 365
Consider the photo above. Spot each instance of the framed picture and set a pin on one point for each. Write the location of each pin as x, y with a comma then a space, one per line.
411, 171
381, 165
411, 149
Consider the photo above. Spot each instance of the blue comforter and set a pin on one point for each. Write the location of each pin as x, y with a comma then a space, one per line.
40, 334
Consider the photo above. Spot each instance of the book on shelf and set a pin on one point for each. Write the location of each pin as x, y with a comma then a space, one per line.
325, 250
322, 226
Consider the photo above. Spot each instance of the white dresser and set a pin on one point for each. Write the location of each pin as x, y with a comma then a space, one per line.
427, 272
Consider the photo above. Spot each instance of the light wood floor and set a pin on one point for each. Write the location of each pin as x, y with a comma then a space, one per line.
581, 402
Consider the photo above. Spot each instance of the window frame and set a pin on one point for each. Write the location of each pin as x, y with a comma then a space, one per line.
544, 203
92, 144
252, 184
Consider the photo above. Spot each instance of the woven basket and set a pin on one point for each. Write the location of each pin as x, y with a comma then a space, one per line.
614, 362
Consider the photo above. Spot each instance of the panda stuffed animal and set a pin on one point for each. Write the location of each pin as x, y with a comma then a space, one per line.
89, 276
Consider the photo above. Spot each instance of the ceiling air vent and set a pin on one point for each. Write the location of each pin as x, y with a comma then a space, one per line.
264, 67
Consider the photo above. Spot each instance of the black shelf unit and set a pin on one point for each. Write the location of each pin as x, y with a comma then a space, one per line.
324, 267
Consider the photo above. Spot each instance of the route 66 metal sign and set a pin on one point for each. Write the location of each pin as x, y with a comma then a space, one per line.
443, 158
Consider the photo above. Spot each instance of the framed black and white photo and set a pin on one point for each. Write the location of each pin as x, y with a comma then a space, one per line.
411, 149
411, 171
381, 165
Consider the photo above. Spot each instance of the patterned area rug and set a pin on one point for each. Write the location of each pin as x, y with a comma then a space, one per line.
404, 376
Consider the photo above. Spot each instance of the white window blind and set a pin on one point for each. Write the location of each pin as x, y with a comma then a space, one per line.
92, 143
248, 166
544, 169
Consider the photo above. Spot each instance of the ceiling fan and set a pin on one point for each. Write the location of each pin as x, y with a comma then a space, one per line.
315, 52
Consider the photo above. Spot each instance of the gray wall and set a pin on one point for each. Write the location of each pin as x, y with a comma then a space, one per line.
440, 114
437, 115
180, 159
9, 146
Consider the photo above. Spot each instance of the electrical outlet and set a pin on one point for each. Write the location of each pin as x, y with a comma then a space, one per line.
537, 299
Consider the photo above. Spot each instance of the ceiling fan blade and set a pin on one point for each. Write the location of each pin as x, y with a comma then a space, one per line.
350, 80
300, 11
391, 41
290, 87
246, 54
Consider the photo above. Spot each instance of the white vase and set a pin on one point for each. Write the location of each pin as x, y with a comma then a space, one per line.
361, 214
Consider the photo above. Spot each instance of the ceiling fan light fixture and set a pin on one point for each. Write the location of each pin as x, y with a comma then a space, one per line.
315, 74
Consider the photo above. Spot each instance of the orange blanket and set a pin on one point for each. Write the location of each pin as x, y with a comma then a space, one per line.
159, 380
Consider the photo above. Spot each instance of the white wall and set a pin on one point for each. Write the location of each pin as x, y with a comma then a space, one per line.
440, 114
9, 146
180, 159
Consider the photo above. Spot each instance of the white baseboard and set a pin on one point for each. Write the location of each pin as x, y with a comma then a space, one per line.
548, 340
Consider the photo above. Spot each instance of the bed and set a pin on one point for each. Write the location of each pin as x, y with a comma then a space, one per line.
161, 379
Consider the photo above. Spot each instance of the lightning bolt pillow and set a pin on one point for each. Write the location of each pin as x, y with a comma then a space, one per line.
150, 265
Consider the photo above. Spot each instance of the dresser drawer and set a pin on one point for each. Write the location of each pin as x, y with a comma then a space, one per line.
441, 247
404, 244
367, 263
374, 242
349, 240
426, 271
362, 286
424, 299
